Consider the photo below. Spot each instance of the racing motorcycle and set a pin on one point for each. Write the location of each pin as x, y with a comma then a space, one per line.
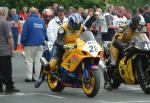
79, 67
134, 65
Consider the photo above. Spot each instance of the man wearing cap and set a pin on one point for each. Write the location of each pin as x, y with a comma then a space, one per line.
54, 25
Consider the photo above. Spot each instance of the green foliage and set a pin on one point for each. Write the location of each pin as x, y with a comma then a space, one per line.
130, 4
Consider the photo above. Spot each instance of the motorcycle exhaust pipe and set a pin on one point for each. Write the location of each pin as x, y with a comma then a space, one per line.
102, 65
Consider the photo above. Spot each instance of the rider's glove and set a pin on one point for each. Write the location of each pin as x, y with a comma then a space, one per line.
69, 47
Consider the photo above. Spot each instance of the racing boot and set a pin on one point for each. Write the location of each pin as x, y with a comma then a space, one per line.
50, 67
107, 82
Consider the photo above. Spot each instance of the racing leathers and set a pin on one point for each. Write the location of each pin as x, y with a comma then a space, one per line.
65, 35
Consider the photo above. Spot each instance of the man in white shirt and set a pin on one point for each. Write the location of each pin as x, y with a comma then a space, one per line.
120, 19
108, 29
54, 25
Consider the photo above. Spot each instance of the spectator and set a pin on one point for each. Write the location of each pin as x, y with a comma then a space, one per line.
146, 16
71, 10
140, 12
99, 10
120, 19
128, 15
54, 25
32, 39
108, 29
81, 12
55, 7
14, 26
147, 13
89, 23
38, 13
6, 51
47, 16
23, 14
96, 27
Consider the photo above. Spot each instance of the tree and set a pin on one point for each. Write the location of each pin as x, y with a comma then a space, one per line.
75, 3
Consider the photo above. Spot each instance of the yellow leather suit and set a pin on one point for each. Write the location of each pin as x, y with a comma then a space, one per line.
123, 36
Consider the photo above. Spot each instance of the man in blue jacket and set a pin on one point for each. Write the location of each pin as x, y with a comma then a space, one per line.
33, 37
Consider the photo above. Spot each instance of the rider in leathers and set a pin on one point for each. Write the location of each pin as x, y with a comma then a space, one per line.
117, 45
68, 33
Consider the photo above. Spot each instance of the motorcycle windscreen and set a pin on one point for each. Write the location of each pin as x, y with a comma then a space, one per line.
141, 41
91, 46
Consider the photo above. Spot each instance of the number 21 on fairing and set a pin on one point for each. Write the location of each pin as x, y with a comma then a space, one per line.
93, 48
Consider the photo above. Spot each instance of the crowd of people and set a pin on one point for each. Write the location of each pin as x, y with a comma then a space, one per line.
40, 27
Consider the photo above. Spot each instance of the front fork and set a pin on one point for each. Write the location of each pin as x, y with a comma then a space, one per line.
86, 71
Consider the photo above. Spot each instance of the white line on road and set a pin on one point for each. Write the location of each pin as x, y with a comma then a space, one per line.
49, 95
133, 102
128, 87
104, 101
26, 94
132, 88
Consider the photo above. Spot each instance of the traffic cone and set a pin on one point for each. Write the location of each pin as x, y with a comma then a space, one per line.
19, 46
148, 30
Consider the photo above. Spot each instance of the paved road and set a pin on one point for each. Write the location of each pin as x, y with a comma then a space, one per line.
29, 94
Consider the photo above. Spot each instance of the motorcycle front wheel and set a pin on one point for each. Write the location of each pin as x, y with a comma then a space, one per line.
54, 84
92, 85
142, 77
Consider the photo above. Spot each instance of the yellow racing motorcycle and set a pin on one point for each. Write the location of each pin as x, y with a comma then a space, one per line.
79, 67
134, 66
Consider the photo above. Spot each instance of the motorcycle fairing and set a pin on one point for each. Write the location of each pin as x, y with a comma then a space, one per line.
71, 62
126, 71
72, 58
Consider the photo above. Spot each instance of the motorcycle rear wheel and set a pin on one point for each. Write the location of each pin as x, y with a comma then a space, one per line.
92, 87
54, 84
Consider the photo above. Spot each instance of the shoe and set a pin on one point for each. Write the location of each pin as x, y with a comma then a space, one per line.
107, 85
33, 80
28, 80
12, 90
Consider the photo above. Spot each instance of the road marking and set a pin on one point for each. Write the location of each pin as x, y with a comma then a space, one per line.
128, 87
26, 94
133, 102
132, 88
48, 95
103, 101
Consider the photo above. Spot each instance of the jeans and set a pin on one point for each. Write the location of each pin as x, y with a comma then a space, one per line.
15, 36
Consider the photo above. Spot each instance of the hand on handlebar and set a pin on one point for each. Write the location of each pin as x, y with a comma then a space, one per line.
69, 47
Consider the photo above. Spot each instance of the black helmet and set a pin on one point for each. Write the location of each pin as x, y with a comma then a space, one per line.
136, 22
75, 21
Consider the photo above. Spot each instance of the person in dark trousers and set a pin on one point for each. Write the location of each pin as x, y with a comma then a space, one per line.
6, 52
